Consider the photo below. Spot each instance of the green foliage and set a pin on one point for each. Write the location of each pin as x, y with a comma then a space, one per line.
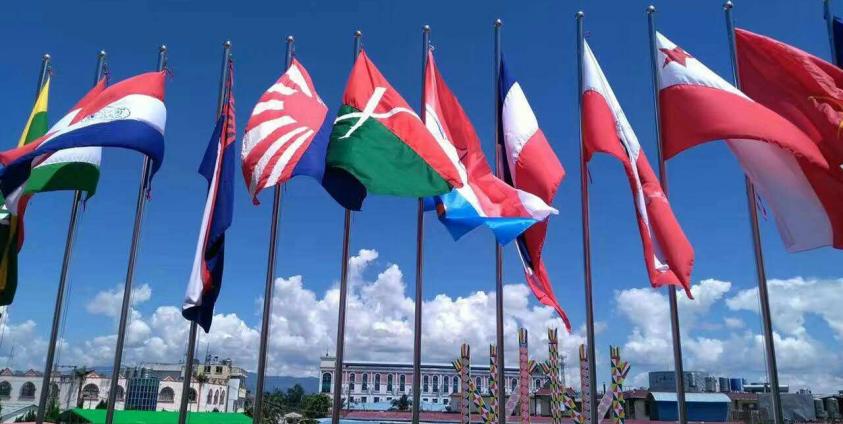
28, 417
102, 405
315, 406
402, 403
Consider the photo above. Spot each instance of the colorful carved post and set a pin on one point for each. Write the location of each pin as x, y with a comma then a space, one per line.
493, 383
551, 369
571, 404
584, 386
524, 369
462, 366
620, 369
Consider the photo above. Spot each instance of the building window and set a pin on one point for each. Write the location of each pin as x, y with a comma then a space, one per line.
425, 400
426, 384
191, 395
455, 385
166, 395
121, 394
90, 392
513, 384
402, 383
363, 399
435, 400
445, 401
538, 384
445, 383
377, 399
218, 370
389, 383
222, 397
351, 381
210, 399
436, 383
207, 368
365, 382
326, 382
6, 389
27, 391
478, 383
377, 383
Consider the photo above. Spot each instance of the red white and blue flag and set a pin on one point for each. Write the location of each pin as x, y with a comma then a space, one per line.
668, 255
218, 168
286, 134
130, 114
531, 166
483, 199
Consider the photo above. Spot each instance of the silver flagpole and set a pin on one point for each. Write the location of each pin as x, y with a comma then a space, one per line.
417, 330
191, 341
501, 412
586, 239
68, 247
346, 239
130, 271
257, 411
761, 275
671, 291
829, 24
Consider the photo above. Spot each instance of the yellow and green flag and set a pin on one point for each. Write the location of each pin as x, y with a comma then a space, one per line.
11, 226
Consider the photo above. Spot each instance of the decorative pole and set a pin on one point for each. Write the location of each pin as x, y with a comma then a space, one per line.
463, 367
417, 323
191, 341
585, 387
620, 369
761, 275
671, 291
586, 240
346, 239
143, 192
524, 374
493, 383
829, 21
498, 248
551, 368
65, 265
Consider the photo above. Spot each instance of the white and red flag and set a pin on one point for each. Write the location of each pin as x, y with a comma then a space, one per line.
668, 255
698, 106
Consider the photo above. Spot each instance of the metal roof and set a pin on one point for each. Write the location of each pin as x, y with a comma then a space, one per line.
691, 397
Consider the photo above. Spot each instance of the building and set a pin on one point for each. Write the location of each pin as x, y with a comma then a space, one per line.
370, 385
711, 407
21, 390
665, 381
142, 391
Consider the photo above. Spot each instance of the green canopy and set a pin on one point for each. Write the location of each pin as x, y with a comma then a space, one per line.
97, 416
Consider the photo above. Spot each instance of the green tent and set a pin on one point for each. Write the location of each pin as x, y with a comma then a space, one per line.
97, 416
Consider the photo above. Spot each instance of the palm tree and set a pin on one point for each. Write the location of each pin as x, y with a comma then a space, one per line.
401, 404
80, 373
201, 379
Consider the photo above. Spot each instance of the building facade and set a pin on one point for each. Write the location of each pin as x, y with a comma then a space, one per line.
367, 384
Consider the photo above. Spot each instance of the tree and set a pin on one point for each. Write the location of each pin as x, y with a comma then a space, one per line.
102, 405
315, 406
295, 396
80, 373
25, 418
402, 403
202, 379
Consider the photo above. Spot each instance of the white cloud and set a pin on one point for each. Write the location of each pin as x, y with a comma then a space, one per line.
108, 302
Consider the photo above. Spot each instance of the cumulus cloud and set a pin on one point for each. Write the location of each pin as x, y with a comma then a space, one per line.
108, 302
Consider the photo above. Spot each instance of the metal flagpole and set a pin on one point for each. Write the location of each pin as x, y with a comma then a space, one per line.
130, 271
257, 411
417, 330
671, 291
346, 238
498, 248
586, 239
68, 247
829, 23
191, 341
763, 294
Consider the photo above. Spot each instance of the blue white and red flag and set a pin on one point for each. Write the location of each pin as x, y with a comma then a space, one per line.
218, 168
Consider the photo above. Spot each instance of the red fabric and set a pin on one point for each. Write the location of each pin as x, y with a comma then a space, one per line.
600, 135
809, 92
364, 78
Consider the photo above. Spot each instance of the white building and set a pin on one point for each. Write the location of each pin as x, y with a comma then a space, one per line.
376, 382
216, 385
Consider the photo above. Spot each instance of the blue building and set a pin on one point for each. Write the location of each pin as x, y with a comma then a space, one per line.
142, 391
712, 407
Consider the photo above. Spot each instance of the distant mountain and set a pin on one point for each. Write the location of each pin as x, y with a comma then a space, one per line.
280, 382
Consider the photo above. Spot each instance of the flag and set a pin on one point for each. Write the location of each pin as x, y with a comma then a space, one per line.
483, 199
837, 34
698, 106
130, 114
218, 168
807, 91
668, 255
11, 225
531, 166
285, 135
378, 144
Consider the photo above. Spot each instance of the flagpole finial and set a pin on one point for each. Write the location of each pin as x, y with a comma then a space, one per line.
651, 9
101, 53
227, 44
291, 39
46, 56
728, 5
498, 23
426, 28
358, 33
163, 48
580, 14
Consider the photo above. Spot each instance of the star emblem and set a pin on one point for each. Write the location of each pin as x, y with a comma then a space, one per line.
675, 54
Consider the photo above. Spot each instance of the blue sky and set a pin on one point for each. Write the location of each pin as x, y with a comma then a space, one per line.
706, 184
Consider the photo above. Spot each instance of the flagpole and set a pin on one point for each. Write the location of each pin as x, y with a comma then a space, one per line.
498, 248
417, 329
671, 291
130, 271
346, 238
191, 341
586, 238
761, 275
829, 23
68, 247
257, 411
